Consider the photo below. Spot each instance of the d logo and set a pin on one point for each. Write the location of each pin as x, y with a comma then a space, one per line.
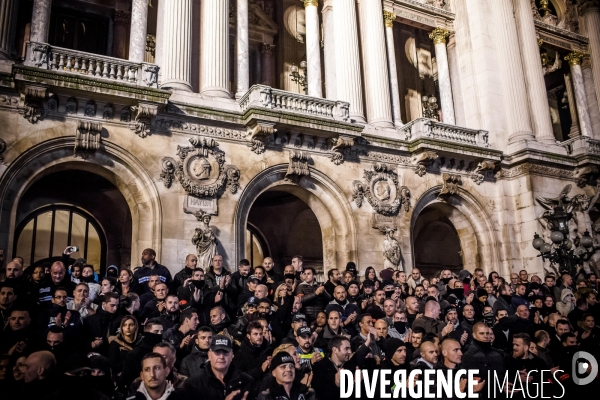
581, 368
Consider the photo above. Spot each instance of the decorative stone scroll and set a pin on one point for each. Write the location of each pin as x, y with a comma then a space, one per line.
485, 165
381, 191
143, 114
451, 182
340, 144
258, 134
87, 138
33, 103
200, 169
423, 161
298, 166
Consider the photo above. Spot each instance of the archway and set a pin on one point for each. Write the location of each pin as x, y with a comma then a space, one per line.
95, 200
321, 195
282, 226
111, 162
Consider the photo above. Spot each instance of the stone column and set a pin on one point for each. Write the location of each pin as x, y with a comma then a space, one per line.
585, 124
268, 64
536, 88
347, 66
138, 31
177, 45
439, 36
120, 27
329, 50
574, 131
515, 101
40, 21
214, 48
592, 101
377, 87
8, 19
313, 49
590, 10
389, 18
242, 49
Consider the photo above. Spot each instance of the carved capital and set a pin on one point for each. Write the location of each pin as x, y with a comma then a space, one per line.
298, 166
574, 58
258, 134
310, 3
389, 18
267, 48
143, 114
586, 6
423, 161
33, 103
439, 35
87, 138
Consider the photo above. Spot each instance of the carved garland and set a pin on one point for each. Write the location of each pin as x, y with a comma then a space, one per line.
381, 172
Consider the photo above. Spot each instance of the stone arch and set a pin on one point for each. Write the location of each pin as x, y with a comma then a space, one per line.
112, 162
473, 225
324, 198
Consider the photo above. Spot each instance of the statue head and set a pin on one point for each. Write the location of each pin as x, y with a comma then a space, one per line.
201, 168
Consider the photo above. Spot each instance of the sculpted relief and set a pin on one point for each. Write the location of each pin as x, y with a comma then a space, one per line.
382, 191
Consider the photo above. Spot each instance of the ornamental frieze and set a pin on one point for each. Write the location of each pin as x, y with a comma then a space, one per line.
381, 190
171, 124
534, 168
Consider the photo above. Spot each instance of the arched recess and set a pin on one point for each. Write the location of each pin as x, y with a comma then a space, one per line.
324, 198
111, 162
473, 225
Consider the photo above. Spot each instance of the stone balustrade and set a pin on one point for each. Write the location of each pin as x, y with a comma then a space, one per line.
44, 56
581, 145
266, 97
428, 128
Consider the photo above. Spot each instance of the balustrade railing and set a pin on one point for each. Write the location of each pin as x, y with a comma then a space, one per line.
425, 127
267, 97
44, 56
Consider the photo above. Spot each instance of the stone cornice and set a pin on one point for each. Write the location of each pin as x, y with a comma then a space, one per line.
423, 15
560, 37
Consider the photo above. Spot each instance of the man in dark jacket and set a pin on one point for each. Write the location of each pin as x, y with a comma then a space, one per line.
97, 326
149, 267
58, 277
154, 380
333, 280
238, 280
284, 385
482, 356
348, 312
219, 379
253, 357
314, 296
192, 364
186, 273
431, 323
58, 315
181, 336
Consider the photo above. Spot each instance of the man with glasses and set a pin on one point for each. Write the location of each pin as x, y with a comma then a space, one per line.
58, 315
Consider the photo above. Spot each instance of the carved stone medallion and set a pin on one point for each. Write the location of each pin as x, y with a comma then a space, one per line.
382, 191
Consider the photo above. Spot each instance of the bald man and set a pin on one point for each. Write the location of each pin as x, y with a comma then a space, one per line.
58, 277
452, 353
181, 278
269, 266
39, 368
431, 323
429, 356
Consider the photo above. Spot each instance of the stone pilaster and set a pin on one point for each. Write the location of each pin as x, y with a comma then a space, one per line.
439, 36
536, 88
515, 100
592, 101
389, 18
313, 49
138, 31
590, 10
40, 21
585, 124
8, 19
177, 45
214, 45
242, 48
267, 57
574, 130
329, 50
377, 89
347, 66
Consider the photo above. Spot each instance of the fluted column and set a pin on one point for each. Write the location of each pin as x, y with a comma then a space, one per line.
138, 31
574, 130
313, 49
8, 19
389, 18
377, 89
242, 48
40, 21
349, 86
329, 50
214, 48
536, 87
585, 124
590, 10
177, 45
267, 57
439, 36
511, 71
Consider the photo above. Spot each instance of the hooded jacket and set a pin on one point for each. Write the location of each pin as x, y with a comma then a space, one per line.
562, 306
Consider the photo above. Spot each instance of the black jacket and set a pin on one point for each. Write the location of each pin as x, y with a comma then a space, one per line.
179, 278
99, 325
250, 358
486, 359
277, 392
193, 364
142, 276
206, 386
133, 360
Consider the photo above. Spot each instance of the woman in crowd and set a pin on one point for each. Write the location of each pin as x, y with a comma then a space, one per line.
125, 284
127, 338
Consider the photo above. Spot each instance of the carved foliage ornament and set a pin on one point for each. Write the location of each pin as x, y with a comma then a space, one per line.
258, 134
87, 138
200, 169
451, 182
485, 165
382, 191
34, 103
340, 144
143, 114
298, 166
423, 161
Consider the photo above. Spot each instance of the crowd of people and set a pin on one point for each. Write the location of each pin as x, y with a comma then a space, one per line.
269, 333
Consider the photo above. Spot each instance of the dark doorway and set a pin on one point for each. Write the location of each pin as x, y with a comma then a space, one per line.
283, 226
